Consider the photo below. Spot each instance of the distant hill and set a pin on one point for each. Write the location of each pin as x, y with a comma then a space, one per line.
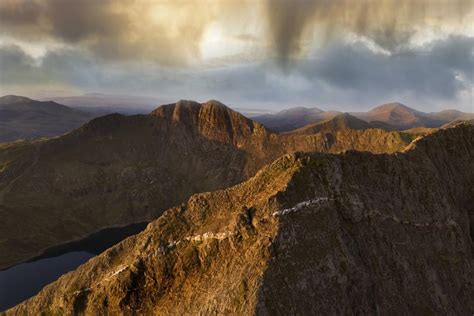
452, 115
338, 123
293, 118
400, 116
391, 116
102, 104
24, 118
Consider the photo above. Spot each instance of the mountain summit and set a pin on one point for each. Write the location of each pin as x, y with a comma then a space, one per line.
12, 99
212, 119
401, 116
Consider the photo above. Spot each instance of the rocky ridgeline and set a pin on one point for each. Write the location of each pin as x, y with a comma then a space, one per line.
350, 233
116, 170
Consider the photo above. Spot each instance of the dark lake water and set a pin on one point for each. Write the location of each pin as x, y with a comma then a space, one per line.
24, 280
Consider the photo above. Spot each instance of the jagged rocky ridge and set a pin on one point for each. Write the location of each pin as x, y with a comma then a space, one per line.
117, 170
351, 233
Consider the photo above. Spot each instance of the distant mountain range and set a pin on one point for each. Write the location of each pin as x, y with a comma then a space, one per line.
310, 234
394, 116
117, 170
23, 118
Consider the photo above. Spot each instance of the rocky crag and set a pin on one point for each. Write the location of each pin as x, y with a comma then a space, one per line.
311, 233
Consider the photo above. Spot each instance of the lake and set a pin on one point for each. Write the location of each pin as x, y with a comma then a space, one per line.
24, 280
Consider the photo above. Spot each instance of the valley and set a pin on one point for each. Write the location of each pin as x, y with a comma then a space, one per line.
213, 157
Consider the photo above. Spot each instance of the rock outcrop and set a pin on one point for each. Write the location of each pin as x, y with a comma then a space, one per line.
312, 233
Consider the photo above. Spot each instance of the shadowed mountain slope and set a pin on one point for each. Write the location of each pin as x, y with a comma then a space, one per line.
353, 233
117, 170
23, 118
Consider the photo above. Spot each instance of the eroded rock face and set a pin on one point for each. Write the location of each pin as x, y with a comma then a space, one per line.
309, 234
118, 170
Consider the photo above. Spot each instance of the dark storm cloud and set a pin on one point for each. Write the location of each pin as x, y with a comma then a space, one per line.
78, 20
341, 75
71, 21
15, 13
56, 67
441, 69
389, 23
165, 32
17, 67
76, 69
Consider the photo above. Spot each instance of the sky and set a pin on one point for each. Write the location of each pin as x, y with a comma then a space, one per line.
268, 54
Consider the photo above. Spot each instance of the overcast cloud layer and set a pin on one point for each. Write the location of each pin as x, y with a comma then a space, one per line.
340, 54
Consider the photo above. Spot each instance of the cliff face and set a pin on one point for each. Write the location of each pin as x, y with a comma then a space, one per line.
309, 234
117, 170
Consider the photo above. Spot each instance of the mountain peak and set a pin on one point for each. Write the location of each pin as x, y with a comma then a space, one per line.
178, 111
394, 106
217, 108
12, 99
185, 110
337, 123
399, 116
345, 120
215, 103
212, 119
345, 117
